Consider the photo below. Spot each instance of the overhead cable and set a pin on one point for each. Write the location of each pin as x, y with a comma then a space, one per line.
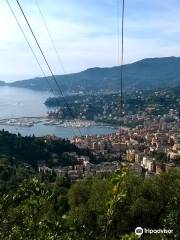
48, 65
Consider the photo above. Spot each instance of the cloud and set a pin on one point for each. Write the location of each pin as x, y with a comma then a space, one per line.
85, 33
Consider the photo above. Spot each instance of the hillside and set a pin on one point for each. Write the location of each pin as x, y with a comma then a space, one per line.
144, 74
2, 83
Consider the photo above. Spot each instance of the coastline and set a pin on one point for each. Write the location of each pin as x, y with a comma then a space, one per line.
31, 121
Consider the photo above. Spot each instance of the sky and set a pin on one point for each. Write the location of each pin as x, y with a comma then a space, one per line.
85, 34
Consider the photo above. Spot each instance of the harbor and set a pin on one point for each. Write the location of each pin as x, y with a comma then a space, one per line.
31, 121
30, 117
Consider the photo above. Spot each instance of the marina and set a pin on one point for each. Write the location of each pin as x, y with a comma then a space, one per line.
31, 121
30, 116
40, 129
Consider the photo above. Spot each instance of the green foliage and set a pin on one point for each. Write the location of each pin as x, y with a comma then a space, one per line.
43, 206
160, 156
131, 236
87, 200
34, 151
29, 213
172, 217
150, 203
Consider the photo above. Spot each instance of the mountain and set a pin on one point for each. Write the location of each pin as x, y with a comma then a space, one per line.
2, 83
144, 74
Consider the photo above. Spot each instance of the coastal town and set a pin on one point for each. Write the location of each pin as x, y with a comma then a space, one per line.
90, 120
149, 149
145, 136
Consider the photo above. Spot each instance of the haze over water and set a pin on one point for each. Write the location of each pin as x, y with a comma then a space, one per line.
20, 102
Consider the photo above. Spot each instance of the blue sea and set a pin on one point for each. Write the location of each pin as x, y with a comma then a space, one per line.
20, 102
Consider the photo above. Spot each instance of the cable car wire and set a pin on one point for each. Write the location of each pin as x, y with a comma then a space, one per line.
48, 65
28, 43
50, 36
33, 52
120, 60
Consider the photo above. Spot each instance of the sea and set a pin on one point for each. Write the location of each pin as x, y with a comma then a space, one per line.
21, 102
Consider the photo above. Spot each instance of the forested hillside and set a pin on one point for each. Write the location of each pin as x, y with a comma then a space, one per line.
145, 74
43, 206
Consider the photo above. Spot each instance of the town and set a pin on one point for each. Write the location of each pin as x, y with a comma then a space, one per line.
150, 148
148, 137
138, 106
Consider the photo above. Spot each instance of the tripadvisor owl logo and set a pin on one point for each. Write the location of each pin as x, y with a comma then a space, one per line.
139, 231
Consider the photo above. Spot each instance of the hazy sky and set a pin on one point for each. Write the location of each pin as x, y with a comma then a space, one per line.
85, 33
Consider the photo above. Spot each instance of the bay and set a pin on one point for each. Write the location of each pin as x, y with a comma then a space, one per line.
20, 102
